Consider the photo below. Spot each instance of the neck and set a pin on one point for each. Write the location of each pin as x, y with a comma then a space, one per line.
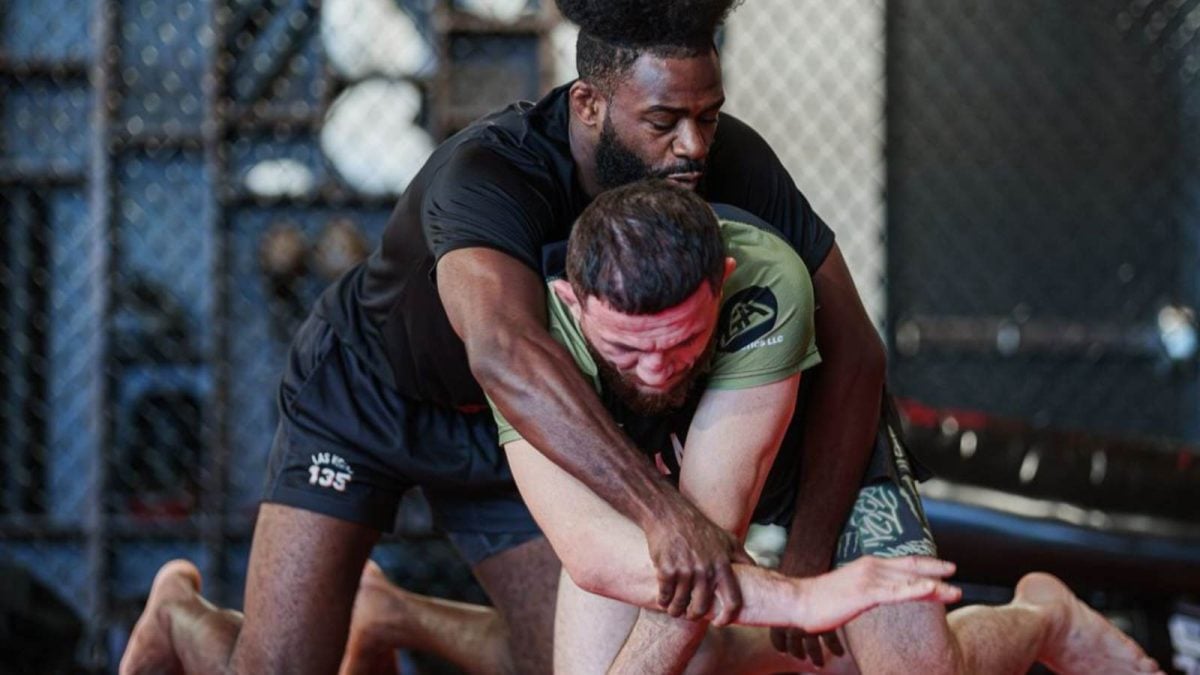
583, 152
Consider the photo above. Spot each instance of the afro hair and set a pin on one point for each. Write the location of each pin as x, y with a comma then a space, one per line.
648, 23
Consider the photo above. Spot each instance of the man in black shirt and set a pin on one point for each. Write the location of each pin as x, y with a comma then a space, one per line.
456, 282
384, 385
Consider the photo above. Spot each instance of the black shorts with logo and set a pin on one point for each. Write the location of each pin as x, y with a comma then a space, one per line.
348, 446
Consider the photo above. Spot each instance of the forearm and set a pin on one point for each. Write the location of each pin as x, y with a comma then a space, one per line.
497, 307
769, 598
730, 448
841, 418
536, 385
607, 554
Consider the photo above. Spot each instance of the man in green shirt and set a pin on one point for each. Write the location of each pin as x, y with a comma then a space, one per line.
694, 330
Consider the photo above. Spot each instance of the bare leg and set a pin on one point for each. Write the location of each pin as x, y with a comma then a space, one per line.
662, 644
1080, 640
1045, 622
658, 644
748, 650
304, 568
915, 637
387, 618
522, 584
175, 604
589, 631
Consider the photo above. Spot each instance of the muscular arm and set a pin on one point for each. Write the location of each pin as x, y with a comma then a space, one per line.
730, 448
497, 306
842, 411
731, 445
841, 419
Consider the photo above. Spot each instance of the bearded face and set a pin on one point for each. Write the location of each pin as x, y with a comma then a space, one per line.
643, 401
618, 164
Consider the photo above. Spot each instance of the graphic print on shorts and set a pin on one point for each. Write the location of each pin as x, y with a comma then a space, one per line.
887, 519
329, 471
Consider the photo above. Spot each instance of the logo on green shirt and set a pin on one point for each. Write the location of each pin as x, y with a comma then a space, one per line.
746, 316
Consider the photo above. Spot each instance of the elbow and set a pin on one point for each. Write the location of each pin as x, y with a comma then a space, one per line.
485, 369
589, 577
490, 357
594, 570
615, 579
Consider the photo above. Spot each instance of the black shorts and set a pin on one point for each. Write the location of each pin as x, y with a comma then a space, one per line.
348, 446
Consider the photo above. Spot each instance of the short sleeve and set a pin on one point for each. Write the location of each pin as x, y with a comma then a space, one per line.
745, 172
479, 198
766, 328
505, 432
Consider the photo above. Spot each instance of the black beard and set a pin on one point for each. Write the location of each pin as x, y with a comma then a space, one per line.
652, 405
617, 165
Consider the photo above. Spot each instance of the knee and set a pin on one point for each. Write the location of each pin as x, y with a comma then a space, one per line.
713, 655
940, 656
907, 638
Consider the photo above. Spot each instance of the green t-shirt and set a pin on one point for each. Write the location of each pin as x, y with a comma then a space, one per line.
764, 335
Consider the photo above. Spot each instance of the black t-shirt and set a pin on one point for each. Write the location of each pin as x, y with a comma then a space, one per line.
508, 182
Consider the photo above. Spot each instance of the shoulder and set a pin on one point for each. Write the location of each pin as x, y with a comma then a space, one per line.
739, 147
744, 170
765, 327
475, 174
565, 330
518, 144
736, 214
734, 129
759, 249
769, 287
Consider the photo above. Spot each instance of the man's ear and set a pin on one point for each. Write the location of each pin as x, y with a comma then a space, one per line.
566, 292
730, 266
587, 103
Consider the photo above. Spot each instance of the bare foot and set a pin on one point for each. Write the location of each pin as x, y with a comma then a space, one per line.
1081, 640
371, 647
149, 651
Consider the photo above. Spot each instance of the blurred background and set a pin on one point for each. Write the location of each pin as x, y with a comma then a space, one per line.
1015, 184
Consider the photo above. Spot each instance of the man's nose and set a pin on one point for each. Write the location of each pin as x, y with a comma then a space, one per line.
690, 142
655, 369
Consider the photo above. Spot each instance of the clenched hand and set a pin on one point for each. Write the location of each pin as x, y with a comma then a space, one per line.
694, 559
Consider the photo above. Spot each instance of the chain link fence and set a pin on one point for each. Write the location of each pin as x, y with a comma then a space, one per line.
1013, 184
